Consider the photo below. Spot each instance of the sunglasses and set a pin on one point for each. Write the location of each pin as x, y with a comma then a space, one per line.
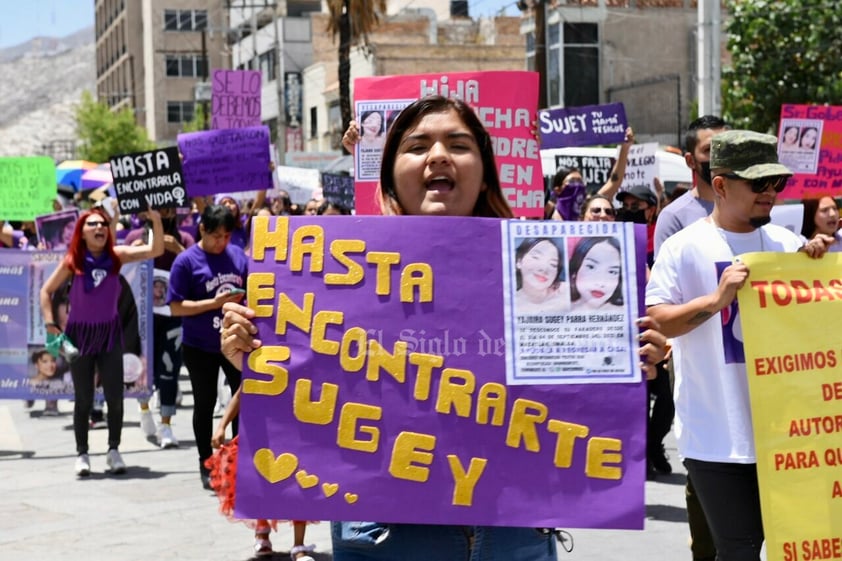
778, 182
597, 210
96, 223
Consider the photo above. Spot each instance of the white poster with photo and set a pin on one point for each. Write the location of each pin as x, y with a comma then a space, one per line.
571, 300
641, 166
373, 121
799, 143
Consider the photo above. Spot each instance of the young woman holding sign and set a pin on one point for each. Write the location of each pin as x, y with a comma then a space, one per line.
437, 161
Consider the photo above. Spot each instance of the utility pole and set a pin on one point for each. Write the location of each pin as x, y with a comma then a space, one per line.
281, 142
541, 51
205, 109
708, 64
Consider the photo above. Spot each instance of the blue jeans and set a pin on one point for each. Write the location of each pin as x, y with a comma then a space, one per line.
167, 360
372, 541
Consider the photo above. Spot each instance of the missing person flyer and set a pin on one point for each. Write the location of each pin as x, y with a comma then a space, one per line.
571, 302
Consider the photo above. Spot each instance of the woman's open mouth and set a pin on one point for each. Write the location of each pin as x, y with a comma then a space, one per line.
597, 294
440, 184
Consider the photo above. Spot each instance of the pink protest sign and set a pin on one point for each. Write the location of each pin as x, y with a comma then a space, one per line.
235, 99
507, 112
380, 390
810, 144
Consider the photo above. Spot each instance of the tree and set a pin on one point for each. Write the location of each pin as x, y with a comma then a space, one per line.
104, 133
783, 51
353, 20
199, 122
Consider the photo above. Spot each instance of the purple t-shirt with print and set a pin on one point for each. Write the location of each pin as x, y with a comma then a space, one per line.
198, 275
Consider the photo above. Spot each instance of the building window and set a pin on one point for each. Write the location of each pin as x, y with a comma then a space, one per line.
581, 64
186, 66
180, 111
185, 20
314, 122
266, 62
572, 63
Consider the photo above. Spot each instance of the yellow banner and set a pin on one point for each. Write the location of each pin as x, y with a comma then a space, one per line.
791, 313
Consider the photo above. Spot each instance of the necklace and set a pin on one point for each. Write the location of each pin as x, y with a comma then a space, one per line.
724, 237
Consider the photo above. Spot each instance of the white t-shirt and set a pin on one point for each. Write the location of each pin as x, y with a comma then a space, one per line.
713, 413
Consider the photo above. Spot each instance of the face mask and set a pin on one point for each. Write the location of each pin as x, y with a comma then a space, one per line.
636, 216
704, 172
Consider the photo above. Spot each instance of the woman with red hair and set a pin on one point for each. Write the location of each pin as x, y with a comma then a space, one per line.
92, 264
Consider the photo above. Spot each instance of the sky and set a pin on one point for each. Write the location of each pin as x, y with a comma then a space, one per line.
21, 20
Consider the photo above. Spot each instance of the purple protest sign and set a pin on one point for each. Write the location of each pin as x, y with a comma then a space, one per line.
235, 99
588, 125
226, 160
381, 383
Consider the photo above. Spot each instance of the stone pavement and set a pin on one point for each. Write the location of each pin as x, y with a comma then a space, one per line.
159, 511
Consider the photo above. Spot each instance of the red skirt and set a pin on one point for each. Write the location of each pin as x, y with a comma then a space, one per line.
223, 479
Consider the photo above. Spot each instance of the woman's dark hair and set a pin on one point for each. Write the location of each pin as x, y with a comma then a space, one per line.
61, 297
526, 246
490, 202
217, 216
808, 223
326, 204
561, 173
583, 247
36, 356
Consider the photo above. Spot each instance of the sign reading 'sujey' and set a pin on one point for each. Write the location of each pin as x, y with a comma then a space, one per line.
382, 375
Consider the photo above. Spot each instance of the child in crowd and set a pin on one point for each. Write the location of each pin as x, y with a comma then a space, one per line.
223, 475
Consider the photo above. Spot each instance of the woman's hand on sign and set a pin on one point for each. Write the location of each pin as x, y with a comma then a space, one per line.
351, 137
238, 333
653, 346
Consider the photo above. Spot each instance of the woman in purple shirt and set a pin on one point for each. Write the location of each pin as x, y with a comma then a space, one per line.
202, 279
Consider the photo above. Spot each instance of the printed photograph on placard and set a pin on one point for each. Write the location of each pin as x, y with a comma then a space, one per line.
799, 144
373, 121
56, 229
571, 302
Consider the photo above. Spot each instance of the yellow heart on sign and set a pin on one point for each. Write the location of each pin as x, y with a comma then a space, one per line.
272, 468
330, 489
351, 498
306, 480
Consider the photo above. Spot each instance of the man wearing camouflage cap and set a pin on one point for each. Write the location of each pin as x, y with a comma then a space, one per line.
692, 294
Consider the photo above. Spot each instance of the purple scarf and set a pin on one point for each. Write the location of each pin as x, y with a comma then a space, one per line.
569, 203
95, 269
94, 322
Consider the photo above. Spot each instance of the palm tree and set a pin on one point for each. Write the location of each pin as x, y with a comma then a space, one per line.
353, 20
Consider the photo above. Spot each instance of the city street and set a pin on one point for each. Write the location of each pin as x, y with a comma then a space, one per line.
158, 510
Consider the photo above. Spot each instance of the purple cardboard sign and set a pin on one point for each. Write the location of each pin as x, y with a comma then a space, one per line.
226, 160
588, 125
381, 383
235, 99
